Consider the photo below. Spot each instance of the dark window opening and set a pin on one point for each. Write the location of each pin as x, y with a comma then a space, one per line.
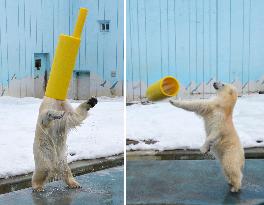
107, 26
104, 26
37, 63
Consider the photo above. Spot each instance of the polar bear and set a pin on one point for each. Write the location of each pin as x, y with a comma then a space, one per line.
56, 118
221, 135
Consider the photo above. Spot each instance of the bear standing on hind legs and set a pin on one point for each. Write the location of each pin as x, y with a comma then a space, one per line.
56, 118
221, 135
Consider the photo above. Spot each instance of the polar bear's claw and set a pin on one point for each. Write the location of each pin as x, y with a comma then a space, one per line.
234, 190
55, 115
39, 189
75, 185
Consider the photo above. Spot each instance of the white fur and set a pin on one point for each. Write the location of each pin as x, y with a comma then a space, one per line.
221, 135
55, 119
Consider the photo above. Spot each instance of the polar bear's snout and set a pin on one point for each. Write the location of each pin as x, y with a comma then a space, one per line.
218, 85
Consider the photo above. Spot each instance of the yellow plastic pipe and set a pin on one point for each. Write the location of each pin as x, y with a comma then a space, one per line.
80, 23
163, 88
64, 60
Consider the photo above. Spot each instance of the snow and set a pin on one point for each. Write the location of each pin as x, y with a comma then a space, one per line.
175, 128
100, 135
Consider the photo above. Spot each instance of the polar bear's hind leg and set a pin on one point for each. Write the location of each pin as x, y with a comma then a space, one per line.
38, 180
68, 178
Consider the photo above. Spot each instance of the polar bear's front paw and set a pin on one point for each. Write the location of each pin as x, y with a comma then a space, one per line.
55, 115
92, 101
205, 149
171, 102
72, 184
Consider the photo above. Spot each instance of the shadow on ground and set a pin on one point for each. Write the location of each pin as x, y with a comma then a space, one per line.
98, 188
191, 182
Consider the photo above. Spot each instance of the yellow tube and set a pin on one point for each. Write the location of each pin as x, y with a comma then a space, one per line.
64, 61
80, 23
163, 88
63, 64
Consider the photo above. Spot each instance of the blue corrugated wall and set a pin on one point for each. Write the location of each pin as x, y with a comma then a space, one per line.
194, 40
33, 26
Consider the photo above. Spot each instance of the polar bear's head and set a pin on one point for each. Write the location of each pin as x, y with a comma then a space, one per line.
227, 93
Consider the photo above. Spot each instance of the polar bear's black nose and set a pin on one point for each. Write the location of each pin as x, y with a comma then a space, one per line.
215, 85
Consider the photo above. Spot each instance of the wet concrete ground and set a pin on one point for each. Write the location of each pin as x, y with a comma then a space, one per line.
98, 188
191, 182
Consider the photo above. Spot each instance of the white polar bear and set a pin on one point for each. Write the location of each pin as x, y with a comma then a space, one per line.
55, 120
220, 131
